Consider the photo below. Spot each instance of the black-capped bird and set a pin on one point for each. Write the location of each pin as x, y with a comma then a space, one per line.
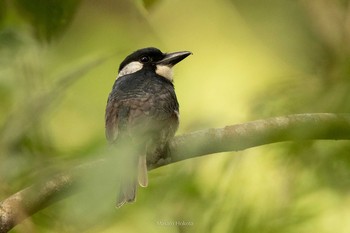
143, 112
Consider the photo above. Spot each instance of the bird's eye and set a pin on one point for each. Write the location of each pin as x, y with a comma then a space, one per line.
145, 59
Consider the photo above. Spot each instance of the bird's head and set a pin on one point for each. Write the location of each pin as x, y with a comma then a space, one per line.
154, 59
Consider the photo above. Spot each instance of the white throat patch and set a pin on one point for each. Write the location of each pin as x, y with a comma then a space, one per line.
130, 68
165, 71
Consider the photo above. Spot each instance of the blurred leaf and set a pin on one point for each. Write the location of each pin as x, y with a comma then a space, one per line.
283, 26
2, 11
49, 18
311, 37
150, 3
11, 43
17, 124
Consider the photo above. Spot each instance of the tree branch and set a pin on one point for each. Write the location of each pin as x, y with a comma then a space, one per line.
230, 138
311, 126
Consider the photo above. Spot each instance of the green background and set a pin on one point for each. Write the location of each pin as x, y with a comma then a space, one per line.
252, 59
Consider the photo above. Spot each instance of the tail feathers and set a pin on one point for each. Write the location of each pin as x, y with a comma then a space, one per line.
127, 193
128, 185
142, 171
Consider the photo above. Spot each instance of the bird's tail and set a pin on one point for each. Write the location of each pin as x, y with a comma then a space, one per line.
127, 191
142, 171
128, 184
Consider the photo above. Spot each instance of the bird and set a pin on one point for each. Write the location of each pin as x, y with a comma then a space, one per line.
143, 112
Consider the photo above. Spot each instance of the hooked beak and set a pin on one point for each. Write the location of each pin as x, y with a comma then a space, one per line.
172, 59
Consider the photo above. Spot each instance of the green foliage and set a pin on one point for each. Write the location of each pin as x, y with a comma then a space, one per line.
252, 59
2, 12
324, 85
49, 18
150, 3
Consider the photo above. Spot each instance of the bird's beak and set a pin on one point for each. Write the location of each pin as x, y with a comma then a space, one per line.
171, 59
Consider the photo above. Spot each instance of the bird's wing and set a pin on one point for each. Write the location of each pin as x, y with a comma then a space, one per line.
111, 116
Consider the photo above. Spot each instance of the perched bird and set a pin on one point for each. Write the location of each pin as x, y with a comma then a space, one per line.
143, 112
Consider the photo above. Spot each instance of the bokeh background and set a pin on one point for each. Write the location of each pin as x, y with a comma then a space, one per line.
252, 59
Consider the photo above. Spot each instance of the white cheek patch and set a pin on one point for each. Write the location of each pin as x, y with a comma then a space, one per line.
130, 68
165, 71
